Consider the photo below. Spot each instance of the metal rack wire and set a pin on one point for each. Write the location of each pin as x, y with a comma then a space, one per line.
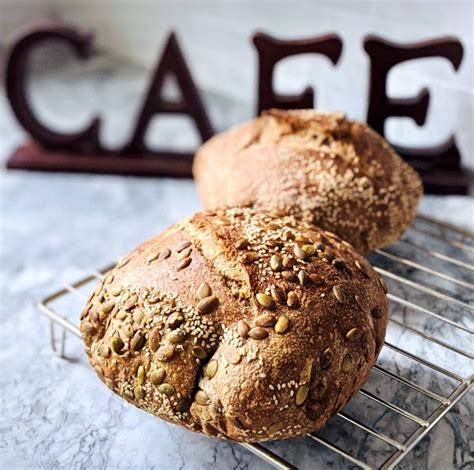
430, 273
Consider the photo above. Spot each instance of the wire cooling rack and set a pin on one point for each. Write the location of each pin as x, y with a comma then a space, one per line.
424, 369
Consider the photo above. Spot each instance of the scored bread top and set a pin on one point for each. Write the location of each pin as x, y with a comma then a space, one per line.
238, 324
320, 167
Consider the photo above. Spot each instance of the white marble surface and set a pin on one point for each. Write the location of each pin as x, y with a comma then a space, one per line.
55, 414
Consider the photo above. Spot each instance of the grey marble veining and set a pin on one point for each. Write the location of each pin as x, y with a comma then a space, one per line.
55, 414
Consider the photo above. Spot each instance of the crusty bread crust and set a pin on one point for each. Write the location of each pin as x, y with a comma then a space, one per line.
322, 168
239, 325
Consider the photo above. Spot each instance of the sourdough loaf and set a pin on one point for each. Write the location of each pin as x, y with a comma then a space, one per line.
320, 167
238, 324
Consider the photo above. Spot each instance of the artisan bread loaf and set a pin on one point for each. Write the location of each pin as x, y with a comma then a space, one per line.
238, 324
322, 168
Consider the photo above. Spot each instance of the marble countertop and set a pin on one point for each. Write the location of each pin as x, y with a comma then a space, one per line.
55, 414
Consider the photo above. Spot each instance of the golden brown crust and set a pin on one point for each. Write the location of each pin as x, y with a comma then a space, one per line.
322, 168
238, 324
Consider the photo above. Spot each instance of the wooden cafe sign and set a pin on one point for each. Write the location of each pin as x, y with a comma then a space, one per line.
82, 150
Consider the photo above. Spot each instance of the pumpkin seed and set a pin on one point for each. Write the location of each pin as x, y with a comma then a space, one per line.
288, 262
117, 344
185, 253
139, 392
176, 336
96, 316
310, 250
326, 358
157, 376
301, 239
303, 278
93, 315
241, 243
289, 276
274, 428
199, 352
362, 268
275, 262
337, 291
302, 394
138, 315
175, 320
131, 302
232, 355
359, 302
201, 398
299, 253
265, 300
208, 305
184, 263
211, 369
87, 328
292, 299
152, 257
257, 332
127, 331
137, 342
164, 254
121, 315
346, 363
166, 353
282, 324
278, 294
203, 291
249, 257
115, 291
353, 334
265, 320
154, 339
140, 375
166, 388
183, 405
243, 328
274, 243
108, 306
182, 246
104, 351
123, 262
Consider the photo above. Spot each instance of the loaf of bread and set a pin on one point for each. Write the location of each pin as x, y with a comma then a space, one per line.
238, 324
321, 168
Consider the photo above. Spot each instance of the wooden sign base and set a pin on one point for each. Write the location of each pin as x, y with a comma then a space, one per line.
445, 182
32, 156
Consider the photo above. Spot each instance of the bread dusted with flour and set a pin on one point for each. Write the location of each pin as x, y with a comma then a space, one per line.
320, 167
238, 324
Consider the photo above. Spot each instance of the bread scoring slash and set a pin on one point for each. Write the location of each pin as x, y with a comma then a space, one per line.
238, 324
320, 167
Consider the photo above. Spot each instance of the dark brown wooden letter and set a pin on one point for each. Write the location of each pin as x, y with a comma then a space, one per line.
439, 166
172, 63
271, 50
85, 141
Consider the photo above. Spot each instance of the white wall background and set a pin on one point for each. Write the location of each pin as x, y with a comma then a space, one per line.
215, 36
